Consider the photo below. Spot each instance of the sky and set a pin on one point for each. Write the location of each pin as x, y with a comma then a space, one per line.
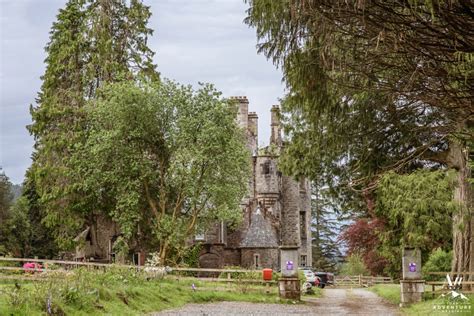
194, 41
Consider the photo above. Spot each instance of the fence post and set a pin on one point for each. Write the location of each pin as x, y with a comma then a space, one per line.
360, 280
228, 275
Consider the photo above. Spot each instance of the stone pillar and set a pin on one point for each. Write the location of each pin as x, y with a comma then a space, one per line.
289, 284
412, 286
275, 126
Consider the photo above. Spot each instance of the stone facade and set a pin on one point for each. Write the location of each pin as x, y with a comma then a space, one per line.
261, 240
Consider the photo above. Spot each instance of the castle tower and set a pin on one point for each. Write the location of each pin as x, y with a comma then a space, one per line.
242, 104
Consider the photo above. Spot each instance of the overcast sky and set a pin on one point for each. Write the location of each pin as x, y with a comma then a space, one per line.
194, 40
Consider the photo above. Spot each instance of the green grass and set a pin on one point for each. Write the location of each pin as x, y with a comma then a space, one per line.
390, 292
430, 306
120, 293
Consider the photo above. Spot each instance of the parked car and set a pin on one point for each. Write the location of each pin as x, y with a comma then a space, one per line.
327, 278
311, 278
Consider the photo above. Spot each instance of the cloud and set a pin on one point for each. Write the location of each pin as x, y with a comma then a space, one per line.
194, 40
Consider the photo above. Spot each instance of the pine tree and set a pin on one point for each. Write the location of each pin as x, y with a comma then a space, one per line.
325, 228
377, 86
5, 203
91, 43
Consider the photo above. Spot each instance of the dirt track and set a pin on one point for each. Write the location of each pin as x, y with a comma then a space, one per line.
333, 302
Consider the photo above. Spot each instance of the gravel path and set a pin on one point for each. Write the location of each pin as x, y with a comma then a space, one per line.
333, 302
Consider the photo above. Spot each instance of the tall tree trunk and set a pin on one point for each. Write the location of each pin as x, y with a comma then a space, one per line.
463, 221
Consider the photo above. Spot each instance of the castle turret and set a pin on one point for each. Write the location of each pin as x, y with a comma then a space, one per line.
242, 104
275, 126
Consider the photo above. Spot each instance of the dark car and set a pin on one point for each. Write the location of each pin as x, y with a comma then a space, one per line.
327, 278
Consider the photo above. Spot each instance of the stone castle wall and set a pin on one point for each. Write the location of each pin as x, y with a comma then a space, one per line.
280, 199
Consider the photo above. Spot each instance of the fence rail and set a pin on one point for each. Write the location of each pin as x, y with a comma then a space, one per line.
213, 274
360, 280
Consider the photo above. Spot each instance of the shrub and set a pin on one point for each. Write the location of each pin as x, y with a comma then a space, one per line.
438, 261
354, 265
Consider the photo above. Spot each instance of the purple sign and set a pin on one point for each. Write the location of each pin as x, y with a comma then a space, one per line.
412, 267
289, 265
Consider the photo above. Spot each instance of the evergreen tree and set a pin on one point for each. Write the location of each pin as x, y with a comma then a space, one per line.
91, 43
377, 86
325, 229
5, 203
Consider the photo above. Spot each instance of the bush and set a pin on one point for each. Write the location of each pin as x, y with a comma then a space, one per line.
438, 261
354, 265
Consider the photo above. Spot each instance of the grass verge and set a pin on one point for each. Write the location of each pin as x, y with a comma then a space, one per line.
430, 306
389, 292
119, 292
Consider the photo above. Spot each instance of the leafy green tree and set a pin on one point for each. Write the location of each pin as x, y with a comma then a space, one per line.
354, 265
91, 43
376, 86
168, 160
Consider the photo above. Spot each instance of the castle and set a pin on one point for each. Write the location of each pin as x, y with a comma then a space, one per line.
276, 211
276, 215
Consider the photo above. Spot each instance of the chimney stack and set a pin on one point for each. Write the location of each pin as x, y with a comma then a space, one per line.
242, 104
275, 126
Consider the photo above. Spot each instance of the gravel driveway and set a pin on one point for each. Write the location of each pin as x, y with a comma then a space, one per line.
333, 302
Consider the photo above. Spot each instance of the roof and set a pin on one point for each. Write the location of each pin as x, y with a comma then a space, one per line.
260, 233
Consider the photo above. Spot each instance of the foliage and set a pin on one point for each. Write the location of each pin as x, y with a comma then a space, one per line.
438, 261
416, 209
116, 292
5, 203
354, 265
172, 160
191, 256
371, 90
362, 237
91, 43
324, 229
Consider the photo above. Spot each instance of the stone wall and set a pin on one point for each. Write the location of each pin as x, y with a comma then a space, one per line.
290, 230
267, 257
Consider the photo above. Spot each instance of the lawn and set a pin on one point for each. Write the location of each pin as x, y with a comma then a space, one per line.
430, 306
119, 293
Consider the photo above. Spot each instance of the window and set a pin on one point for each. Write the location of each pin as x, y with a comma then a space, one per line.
136, 258
266, 167
303, 225
303, 260
199, 237
256, 261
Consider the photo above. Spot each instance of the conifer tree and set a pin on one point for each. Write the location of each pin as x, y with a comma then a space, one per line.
377, 86
324, 228
92, 42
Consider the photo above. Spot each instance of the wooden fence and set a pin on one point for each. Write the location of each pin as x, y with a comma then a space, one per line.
209, 275
360, 280
442, 287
